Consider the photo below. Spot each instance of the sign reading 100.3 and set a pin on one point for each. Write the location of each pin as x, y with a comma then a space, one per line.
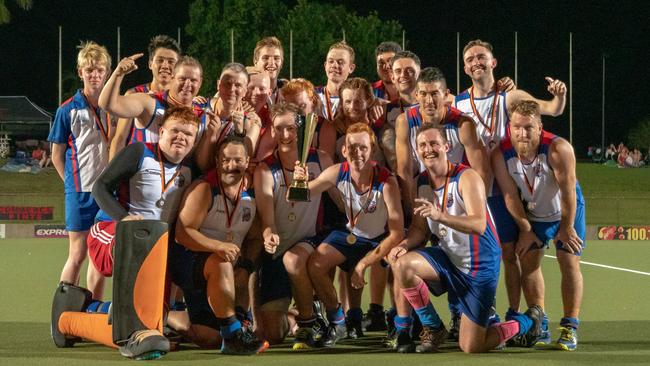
624, 232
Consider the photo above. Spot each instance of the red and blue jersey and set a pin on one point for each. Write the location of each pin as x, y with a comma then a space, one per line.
84, 131
475, 255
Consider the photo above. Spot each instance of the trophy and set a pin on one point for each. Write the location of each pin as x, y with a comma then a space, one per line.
298, 192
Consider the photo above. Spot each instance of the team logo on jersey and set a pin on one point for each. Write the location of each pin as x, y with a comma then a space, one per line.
372, 206
246, 214
538, 170
450, 201
179, 181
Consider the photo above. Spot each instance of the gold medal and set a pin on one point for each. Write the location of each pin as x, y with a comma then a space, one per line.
291, 217
351, 239
531, 206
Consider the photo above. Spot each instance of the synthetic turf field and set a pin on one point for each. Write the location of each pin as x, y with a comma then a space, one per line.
615, 326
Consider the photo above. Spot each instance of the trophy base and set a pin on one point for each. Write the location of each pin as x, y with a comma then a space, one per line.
298, 194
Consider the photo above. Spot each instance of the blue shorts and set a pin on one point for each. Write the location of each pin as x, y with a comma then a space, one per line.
186, 270
274, 282
472, 296
80, 211
546, 231
353, 253
506, 226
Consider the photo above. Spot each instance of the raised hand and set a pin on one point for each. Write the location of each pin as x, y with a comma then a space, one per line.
128, 65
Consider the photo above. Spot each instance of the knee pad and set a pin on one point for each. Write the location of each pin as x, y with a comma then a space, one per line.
67, 297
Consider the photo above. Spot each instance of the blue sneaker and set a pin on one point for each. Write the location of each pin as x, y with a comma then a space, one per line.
568, 340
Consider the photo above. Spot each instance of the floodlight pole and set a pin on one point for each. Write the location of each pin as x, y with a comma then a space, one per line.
290, 54
602, 141
516, 57
232, 45
178, 36
60, 65
119, 41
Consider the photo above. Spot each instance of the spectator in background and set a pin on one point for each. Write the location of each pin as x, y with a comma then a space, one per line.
622, 155
610, 152
40, 157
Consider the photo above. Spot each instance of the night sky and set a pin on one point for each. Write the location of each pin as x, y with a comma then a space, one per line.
29, 47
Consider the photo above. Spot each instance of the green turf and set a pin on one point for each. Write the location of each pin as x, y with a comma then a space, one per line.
615, 324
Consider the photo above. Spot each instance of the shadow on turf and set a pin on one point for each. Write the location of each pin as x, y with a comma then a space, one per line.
598, 340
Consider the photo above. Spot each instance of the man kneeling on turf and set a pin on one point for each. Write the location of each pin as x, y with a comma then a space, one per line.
149, 180
465, 263
375, 223
217, 212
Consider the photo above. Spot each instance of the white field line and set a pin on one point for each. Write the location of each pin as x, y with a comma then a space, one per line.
606, 266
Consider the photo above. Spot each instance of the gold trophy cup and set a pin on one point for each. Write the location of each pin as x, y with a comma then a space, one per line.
298, 191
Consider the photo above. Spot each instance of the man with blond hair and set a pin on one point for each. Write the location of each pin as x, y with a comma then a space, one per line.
81, 137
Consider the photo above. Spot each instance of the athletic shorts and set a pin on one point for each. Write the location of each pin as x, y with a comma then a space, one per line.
353, 253
274, 282
186, 270
506, 226
546, 231
473, 296
80, 211
100, 241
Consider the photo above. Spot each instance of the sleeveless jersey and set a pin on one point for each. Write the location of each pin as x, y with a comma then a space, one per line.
142, 191
149, 134
85, 132
456, 153
475, 255
536, 182
328, 108
215, 224
491, 125
379, 90
294, 220
369, 207
142, 88
394, 109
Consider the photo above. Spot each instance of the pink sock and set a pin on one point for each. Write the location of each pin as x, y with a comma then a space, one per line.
417, 296
506, 330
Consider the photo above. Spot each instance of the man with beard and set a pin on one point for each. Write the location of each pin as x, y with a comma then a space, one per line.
269, 57
147, 109
213, 221
488, 103
465, 263
234, 115
375, 224
536, 172
150, 179
339, 64
289, 231
164, 52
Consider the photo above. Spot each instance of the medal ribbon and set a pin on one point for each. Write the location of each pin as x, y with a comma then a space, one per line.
230, 215
328, 103
98, 120
493, 118
353, 216
529, 185
450, 169
286, 180
164, 186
